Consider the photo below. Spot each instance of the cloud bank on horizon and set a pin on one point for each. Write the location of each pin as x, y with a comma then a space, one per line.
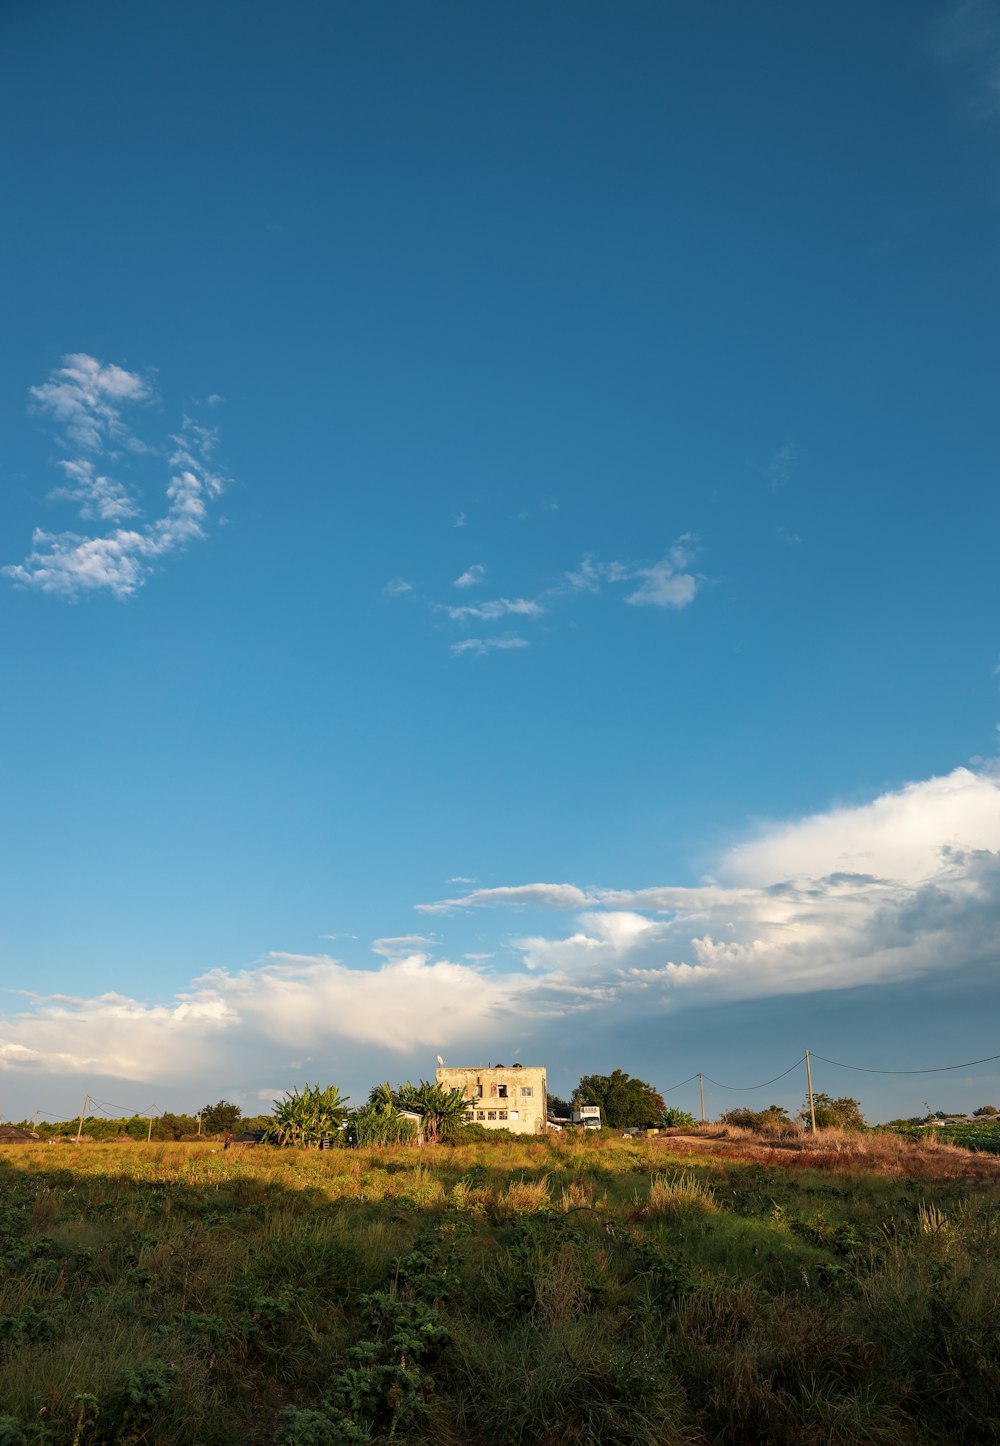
880, 893
86, 400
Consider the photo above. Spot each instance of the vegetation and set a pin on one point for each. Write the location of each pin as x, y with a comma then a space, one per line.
443, 1110
843, 1289
625, 1102
673, 1118
837, 1114
221, 1119
308, 1116
775, 1118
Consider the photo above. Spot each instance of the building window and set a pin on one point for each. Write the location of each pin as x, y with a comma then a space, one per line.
479, 1091
480, 1114
502, 1114
502, 1091
491, 1114
527, 1091
515, 1114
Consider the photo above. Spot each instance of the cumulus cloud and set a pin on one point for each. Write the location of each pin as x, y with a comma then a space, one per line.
86, 399
888, 890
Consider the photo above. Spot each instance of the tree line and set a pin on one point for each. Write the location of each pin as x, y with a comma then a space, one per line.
391, 1115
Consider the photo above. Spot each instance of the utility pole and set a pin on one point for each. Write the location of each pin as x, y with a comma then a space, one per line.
809, 1081
199, 1122
149, 1134
83, 1111
701, 1087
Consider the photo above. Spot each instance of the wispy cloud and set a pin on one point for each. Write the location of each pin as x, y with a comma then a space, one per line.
500, 607
781, 466
471, 577
460, 520
86, 399
669, 583
969, 38
478, 647
665, 585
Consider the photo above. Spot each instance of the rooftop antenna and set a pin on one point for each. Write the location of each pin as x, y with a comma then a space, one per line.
440, 1060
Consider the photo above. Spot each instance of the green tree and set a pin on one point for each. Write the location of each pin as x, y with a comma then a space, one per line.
562, 1109
623, 1100
220, 1119
307, 1116
842, 1114
986, 1110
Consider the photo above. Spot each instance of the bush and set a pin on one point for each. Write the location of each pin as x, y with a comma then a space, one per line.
758, 1120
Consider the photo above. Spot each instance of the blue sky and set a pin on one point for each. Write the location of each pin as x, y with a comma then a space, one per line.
498, 516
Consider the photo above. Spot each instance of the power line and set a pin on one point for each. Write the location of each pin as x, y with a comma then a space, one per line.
937, 1069
742, 1088
671, 1088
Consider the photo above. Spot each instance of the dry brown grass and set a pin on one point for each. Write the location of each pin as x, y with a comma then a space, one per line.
832, 1149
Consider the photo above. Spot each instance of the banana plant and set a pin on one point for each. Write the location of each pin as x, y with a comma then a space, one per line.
306, 1116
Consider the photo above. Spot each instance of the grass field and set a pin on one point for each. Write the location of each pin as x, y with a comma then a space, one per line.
560, 1290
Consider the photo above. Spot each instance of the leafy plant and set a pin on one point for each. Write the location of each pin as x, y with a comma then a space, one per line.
307, 1116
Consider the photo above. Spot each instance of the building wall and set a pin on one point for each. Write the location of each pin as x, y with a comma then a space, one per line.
500, 1098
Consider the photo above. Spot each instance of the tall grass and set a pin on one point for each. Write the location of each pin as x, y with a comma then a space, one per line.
583, 1290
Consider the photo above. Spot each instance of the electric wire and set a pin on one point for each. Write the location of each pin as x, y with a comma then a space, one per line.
742, 1088
671, 1088
937, 1069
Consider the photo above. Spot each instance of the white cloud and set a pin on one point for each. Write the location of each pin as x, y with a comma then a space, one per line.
460, 520
471, 577
98, 496
904, 886
664, 585
496, 608
86, 398
253, 1021
668, 583
478, 647
549, 896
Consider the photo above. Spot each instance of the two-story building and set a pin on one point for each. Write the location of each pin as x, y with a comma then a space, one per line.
501, 1097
